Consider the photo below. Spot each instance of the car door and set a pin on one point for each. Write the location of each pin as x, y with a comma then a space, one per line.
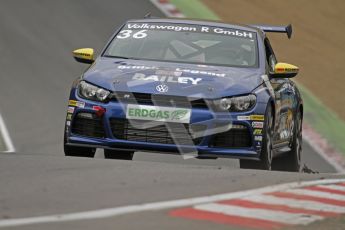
283, 102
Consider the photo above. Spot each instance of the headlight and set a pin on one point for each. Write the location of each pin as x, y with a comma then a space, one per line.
92, 92
224, 104
236, 104
243, 103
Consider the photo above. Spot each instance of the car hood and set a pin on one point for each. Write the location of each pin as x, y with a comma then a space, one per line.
179, 79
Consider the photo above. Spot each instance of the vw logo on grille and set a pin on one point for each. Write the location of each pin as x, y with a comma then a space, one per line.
162, 88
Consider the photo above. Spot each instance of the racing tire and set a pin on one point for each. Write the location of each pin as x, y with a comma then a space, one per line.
266, 156
74, 151
291, 161
118, 154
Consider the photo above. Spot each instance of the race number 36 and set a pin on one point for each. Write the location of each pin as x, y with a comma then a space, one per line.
129, 33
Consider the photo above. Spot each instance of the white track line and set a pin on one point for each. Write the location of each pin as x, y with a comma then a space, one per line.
326, 195
6, 137
260, 214
293, 203
111, 212
333, 186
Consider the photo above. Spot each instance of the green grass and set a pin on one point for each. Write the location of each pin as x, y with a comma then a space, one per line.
194, 9
323, 120
317, 115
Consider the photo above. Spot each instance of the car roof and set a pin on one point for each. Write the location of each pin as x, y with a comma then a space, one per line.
200, 23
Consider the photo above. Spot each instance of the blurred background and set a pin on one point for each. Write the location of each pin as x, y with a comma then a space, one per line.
36, 72
37, 68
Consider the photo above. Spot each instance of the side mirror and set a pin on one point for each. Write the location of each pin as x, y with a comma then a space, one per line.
284, 70
84, 55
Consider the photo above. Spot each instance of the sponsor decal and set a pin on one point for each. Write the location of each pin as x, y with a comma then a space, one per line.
252, 117
257, 117
67, 129
257, 132
170, 79
201, 72
80, 104
243, 118
158, 113
258, 138
69, 117
70, 109
169, 73
166, 27
74, 103
140, 67
177, 72
258, 124
179, 114
144, 27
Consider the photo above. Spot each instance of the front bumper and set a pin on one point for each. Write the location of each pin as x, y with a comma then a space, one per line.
204, 147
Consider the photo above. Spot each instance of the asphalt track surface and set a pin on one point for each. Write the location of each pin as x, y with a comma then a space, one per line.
37, 69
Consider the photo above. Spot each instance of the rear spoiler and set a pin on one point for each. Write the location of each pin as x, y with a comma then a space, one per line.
276, 29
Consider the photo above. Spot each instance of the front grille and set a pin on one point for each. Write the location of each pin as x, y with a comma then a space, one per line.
159, 100
162, 133
88, 124
237, 137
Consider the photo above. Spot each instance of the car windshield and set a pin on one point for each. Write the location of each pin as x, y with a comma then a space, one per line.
185, 43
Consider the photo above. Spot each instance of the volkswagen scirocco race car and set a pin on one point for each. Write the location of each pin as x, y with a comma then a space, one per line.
196, 88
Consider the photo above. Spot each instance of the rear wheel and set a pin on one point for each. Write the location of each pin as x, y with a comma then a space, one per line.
291, 161
118, 154
265, 162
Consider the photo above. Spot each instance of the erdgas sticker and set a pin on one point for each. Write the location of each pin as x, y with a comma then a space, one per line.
158, 113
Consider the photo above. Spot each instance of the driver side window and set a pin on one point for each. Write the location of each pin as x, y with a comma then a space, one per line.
271, 59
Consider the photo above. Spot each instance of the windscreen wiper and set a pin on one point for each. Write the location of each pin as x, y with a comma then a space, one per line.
111, 56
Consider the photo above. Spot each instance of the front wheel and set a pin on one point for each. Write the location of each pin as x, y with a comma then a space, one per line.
265, 162
74, 151
118, 154
291, 161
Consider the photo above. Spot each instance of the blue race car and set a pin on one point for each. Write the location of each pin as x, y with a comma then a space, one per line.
196, 88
